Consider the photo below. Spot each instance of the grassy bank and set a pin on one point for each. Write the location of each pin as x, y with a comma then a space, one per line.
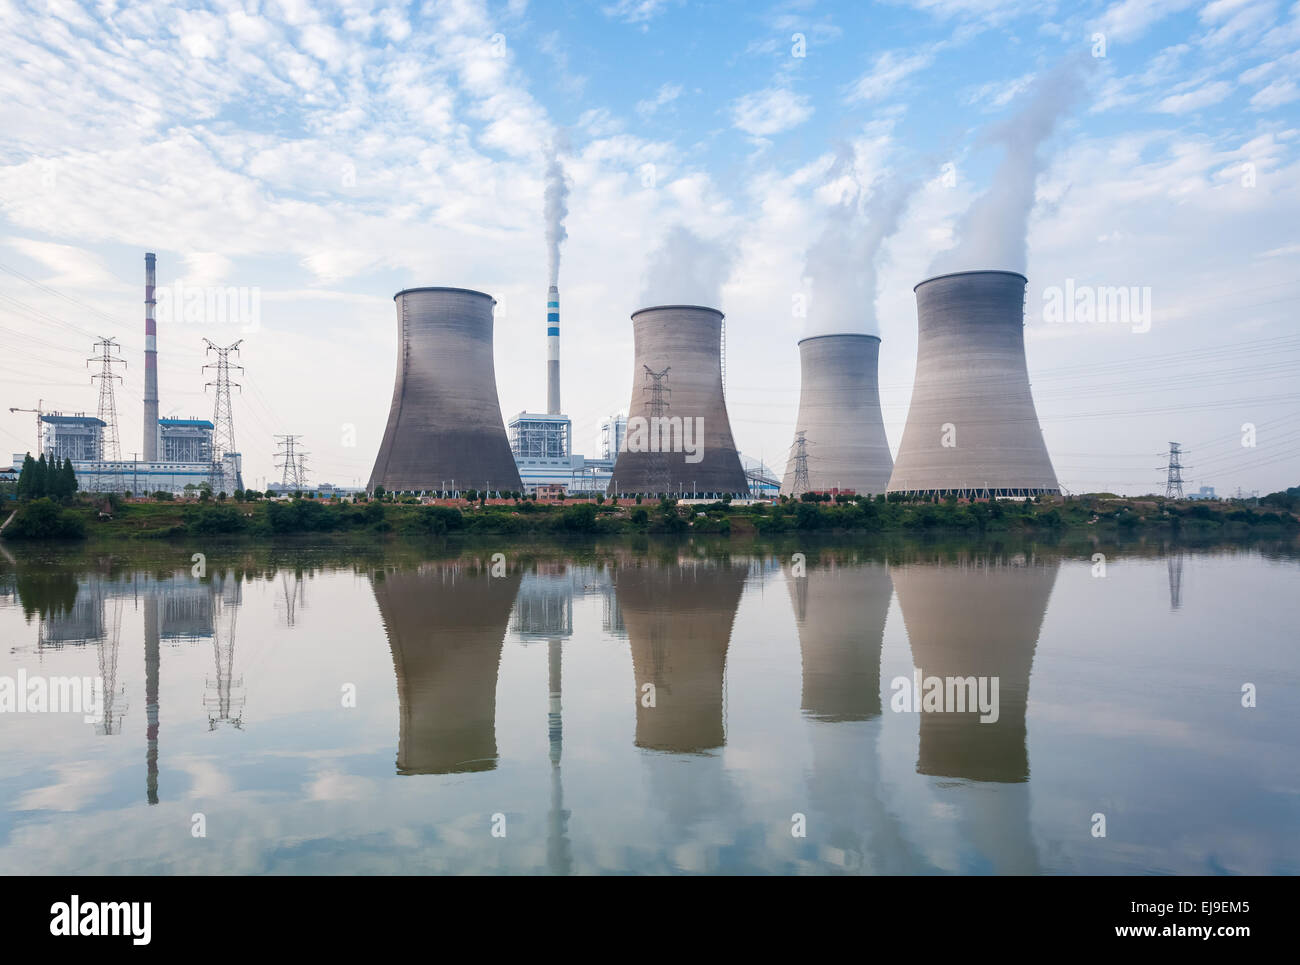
390, 520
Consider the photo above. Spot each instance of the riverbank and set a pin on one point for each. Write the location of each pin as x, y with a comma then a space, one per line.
393, 520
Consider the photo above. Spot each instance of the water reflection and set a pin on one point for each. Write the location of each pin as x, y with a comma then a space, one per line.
749, 702
678, 619
446, 625
840, 612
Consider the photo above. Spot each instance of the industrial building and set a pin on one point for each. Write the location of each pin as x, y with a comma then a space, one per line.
176, 453
444, 429
840, 441
76, 437
679, 438
542, 444
972, 430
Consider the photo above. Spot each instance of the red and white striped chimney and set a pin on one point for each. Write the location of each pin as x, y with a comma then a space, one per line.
150, 362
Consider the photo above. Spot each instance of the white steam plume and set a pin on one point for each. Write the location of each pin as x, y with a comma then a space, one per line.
556, 209
686, 270
993, 232
841, 263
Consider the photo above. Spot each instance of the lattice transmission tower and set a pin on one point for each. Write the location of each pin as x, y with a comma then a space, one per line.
800, 485
1174, 471
223, 413
656, 383
106, 350
290, 461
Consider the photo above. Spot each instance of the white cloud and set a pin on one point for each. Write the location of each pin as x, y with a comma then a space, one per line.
1204, 96
663, 97
889, 70
1275, 95
1128, 20
634, 11
770, 111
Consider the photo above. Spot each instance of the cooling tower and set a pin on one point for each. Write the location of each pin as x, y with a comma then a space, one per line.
840, 612
839, 415
971, 428
977, 619
677, 405
150, 361
444, 428
678, 620
446, 626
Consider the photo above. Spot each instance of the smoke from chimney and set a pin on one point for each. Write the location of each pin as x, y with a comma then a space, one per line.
556, 209
686, 270
993, 232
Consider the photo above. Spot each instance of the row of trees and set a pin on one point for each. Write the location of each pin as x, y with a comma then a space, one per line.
40, 479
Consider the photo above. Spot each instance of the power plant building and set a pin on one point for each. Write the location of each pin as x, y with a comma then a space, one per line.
840, 441
76, 437
972, 430
175, 453
679, 439
444, 430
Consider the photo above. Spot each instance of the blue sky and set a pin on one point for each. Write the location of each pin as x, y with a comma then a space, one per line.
329, 155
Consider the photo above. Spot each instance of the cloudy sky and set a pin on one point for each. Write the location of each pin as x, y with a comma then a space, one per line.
803, 164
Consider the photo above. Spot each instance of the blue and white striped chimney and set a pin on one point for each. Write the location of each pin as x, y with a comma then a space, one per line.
553, 351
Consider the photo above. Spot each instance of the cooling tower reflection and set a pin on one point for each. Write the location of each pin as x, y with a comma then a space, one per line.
979, 618
840, 612
446, 625
678, 620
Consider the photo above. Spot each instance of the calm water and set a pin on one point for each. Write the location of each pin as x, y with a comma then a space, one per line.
663, 709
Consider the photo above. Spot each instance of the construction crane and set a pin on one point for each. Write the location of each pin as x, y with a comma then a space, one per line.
40, 440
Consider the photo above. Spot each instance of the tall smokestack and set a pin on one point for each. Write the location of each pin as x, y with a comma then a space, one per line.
553, 351
150, 362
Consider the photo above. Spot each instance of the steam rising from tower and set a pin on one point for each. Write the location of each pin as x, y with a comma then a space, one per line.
150, 362
993, 233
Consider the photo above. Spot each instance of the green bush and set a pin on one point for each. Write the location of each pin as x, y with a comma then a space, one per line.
215, 519
579, 519
43, 519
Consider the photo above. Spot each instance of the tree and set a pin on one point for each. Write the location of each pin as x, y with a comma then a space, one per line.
27, 479
68, 482
40, 478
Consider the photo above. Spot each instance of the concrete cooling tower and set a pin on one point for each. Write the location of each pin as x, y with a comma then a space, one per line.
977, 619
444, 428
971, 428
677, 377
446, 626
840, 612
678, 620
839, 416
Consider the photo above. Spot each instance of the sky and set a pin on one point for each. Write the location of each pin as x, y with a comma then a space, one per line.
805, 163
